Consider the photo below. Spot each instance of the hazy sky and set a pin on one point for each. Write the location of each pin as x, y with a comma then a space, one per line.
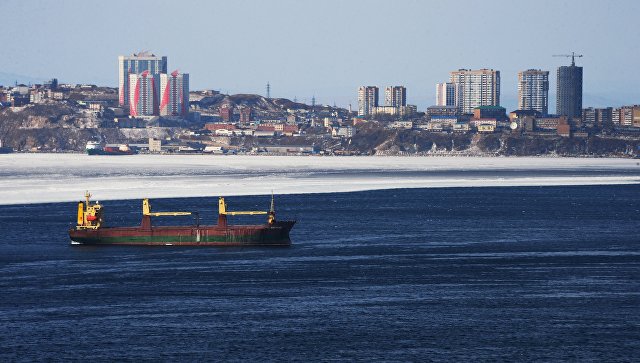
329, 48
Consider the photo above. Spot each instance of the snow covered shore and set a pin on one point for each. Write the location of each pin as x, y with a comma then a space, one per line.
41, 178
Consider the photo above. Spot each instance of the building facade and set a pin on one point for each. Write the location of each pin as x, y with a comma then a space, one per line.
245, 115
226, 112
474, 88
142, 94
136, 64
367, 100
533, 90
623, 116
569, 91
445, 94
598, 117
174, 94
443, 111
395, 96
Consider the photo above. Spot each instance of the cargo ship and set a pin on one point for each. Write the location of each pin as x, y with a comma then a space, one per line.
95, 148
4, 149
90, 229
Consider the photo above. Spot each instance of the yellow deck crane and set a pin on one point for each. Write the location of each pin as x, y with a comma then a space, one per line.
223, 212
146, 211
147, 214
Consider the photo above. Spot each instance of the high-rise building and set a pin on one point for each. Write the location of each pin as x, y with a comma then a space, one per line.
245, 115
569, 91
367, 100
174, 94
142, 94
475, 88
445, 94
623, 116
395, 96
226, 112
533, 90
136, 64
599, 117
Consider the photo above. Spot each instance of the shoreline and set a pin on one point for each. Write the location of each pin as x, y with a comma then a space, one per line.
51, 178
404, 155
522, 184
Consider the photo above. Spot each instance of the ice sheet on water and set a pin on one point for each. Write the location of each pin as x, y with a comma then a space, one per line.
40, 178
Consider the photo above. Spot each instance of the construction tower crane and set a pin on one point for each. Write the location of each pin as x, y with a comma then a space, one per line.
573, 56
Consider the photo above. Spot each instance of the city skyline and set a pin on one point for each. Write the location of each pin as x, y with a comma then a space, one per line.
313, 50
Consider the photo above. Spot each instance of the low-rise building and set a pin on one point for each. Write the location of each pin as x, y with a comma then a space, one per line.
219, 126
401, 125
476, 123
57, 95
461, 127
347, 131
486, 128
513, 115
155, 145
394, 110
547, 123
497, 112
38, 95
443, 111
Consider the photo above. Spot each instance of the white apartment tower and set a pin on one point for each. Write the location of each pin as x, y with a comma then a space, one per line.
395, 96
142, 94
445, 94
136, 64
367, 100
475, 88
533, 90
174, 94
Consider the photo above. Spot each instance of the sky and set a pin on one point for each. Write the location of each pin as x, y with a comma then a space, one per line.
328, 48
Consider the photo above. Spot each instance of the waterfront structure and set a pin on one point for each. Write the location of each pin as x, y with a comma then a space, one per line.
174, 94
569, 91
474, 88
142, 94
445, 94
395, 96
136, 64
533, 90
367, 100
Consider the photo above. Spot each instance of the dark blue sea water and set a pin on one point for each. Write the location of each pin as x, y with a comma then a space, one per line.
462, 274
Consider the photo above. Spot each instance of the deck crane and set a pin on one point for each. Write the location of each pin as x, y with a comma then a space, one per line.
573, 56
223, 212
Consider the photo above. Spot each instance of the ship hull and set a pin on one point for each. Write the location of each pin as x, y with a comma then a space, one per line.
109, 152
276, 234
